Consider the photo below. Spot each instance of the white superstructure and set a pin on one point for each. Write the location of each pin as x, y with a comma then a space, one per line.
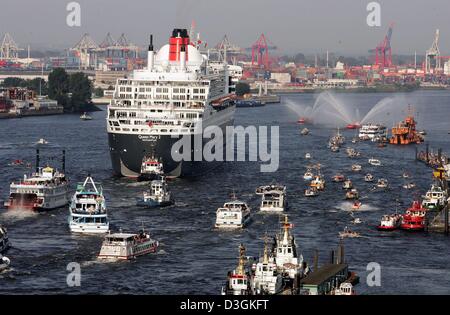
233, 215
372, 131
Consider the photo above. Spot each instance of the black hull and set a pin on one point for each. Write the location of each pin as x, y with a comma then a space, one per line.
128, 150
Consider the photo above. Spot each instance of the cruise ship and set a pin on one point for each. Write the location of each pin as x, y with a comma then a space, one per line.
180, 93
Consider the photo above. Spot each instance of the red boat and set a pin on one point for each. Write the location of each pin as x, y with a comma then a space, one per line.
414, 218
354, 126
301, 120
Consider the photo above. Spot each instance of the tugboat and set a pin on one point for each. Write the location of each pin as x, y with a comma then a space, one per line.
4, 263
4, 240
273, 198
151, 168
374, 162
347, 184
85, 116
311, 192
238, 282
368, 178
435, 198
338, 178
414, 218
390, 222
265, 276
158, 195
285, 252
88, 209
233, 215
405, 132
45, 189
127, 245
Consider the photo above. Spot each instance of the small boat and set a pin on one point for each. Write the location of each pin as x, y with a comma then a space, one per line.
307, 155
234, 214
301, 120
334, 148
356, 205
318, 182
406, 175
308, 175
88, 209
354, 125
127, 245
382, 183
390, 222
355, 140
273, 199
345, 288
311, 192
348, 233
374, 162
423, 132
414, 218
4, 263
338, 178
151, 168
17, 163
352, 194
356, 221
356, 167
368, 178
409, 185
42, 141
85, 116
347, 184
158, 195
4, 240
304, 131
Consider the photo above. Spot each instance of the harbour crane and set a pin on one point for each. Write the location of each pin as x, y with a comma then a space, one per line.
433, 54
260, 52
383, 51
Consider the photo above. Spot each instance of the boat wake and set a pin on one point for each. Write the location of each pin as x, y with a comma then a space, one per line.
347, 206
18, 214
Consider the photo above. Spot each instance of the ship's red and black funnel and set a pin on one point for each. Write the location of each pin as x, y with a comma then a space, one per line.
178, 39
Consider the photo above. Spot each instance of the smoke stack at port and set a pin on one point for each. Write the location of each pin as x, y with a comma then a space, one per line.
178, 39
150, 54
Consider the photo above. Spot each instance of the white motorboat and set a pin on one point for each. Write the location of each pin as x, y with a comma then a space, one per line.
382, 183
347, 184
304, 131
390, 222
372, 131
308, 175
127, 245
348, 233
42, 141
374, 162
4, 263
409, 185
307, 155
234, 214
311, 192
88, 213
85, 116
356, 167
274, 199
368, 178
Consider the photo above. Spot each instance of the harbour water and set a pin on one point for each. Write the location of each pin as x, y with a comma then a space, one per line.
193, 257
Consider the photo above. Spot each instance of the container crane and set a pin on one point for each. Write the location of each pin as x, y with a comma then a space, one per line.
383, 51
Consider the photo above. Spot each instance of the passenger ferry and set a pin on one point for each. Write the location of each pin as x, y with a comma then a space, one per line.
158, 195
266, 279
372, 131
238, 280
4, 240
414, 218
435, 198
233, 215
179, 94
127, 245
273, 198
88, 209
45, 189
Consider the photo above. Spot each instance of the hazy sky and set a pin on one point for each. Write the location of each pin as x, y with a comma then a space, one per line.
309, 26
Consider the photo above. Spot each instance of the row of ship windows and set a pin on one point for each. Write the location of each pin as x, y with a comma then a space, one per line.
145, 130
163, 96
134, 114
162, 83
163, 90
